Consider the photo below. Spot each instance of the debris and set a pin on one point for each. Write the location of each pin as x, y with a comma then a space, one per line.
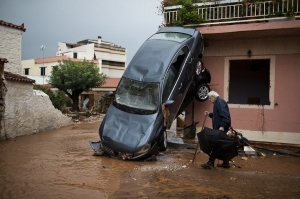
98, 152
232, 178
105, 166
224, 197
244, 158
184, 166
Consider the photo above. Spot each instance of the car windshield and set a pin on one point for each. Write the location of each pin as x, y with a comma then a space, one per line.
136, 96
171, 36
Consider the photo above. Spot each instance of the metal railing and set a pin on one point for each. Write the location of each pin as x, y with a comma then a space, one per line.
238, 12
109, 47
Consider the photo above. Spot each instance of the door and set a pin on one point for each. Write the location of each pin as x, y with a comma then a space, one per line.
177, 82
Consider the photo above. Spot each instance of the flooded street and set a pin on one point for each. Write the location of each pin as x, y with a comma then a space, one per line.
60, 164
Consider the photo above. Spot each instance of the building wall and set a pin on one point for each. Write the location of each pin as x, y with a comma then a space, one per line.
108, 55
35, 69
110, 72
270, 123
83, 52
26, 113
10, 48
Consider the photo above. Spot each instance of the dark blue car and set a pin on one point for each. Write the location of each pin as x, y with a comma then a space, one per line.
163, 78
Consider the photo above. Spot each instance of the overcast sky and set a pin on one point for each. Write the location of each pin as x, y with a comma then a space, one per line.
127, 23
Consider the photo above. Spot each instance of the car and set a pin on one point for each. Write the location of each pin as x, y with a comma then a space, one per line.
162, 79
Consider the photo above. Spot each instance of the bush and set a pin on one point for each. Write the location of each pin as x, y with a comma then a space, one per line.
58, 99
104, 103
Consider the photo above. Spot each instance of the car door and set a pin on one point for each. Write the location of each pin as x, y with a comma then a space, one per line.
180, 86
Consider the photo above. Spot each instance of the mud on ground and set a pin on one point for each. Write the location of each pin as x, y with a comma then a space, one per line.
60, 164
175, 176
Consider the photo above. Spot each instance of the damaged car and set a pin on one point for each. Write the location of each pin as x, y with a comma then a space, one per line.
158, 84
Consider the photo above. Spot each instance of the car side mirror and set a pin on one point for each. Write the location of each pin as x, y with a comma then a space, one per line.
169, 102
109, 94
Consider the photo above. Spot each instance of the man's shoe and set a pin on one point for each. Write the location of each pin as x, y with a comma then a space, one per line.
224, 165
207, 165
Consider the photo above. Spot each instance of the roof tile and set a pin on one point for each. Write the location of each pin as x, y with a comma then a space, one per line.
3, 60
21, 27
111, 83
16, 77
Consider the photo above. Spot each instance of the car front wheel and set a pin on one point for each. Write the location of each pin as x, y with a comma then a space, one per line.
201, 92
162, 141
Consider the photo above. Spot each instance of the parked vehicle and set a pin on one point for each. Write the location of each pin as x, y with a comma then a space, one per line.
159, 76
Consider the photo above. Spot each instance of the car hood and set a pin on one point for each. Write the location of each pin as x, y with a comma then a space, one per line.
127, 132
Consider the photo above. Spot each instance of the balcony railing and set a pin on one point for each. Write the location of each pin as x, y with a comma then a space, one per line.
235, 11
109, 47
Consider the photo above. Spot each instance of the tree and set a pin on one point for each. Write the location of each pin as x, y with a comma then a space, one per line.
188, 14
74, 77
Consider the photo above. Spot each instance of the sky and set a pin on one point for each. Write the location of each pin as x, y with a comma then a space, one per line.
127, 23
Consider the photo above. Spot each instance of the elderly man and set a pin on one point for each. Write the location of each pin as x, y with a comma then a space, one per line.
221, 121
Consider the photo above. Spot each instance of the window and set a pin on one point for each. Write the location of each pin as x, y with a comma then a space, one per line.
43, 71
169, 83
113, 63
171, 36
249, 82
26, 71
75, 55
136, 96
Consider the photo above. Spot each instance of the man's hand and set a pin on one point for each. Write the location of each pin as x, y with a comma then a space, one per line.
221, 128
206, 112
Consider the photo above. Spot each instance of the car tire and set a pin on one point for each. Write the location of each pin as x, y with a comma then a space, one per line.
201, 92
162, 141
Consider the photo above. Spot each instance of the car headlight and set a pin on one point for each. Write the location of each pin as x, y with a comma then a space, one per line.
146, 148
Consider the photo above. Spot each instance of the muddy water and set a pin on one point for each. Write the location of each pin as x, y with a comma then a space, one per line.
60, 164
57, 164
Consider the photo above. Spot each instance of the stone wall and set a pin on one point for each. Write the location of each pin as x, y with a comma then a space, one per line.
2, 93
10, 48
26, 113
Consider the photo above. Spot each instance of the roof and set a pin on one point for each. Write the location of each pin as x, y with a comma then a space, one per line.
21, 27
72, 44
111, 83
3, 60
56, 58
16, 77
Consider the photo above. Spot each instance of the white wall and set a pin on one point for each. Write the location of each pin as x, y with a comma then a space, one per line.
10, 48
26, 113
110, 56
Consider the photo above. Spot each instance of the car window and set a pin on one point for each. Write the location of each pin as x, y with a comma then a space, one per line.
178, 60
173, 72
136, 96
169, 83
171, 36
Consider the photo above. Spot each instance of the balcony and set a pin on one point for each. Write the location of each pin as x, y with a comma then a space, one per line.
237, 11
110, 47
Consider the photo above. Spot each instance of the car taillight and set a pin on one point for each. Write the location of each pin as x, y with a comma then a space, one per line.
202, 67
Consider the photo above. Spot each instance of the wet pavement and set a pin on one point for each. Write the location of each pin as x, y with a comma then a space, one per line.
60, 164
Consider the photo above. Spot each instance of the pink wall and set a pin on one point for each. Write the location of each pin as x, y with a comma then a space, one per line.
283, 118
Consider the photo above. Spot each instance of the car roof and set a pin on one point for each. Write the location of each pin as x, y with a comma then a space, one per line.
153, 58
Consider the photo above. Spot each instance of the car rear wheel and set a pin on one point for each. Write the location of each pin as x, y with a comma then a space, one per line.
201, 92
162, 141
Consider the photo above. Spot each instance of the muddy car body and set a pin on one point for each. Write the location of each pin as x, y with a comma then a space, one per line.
160, 73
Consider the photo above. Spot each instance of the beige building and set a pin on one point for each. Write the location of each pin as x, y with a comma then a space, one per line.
110, 58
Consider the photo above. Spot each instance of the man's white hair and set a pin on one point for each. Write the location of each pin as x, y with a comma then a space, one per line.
213, 94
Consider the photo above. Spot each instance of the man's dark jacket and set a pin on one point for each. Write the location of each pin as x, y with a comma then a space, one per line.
220, 115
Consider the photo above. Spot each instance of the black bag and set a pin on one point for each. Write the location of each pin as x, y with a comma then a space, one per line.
217, 144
